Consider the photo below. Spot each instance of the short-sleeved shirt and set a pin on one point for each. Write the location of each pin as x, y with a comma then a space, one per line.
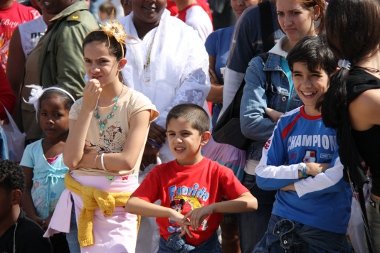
185, 188
117, 127
218, 45
48, 178
10, 18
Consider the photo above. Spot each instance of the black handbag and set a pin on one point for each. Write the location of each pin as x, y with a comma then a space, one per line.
227, 129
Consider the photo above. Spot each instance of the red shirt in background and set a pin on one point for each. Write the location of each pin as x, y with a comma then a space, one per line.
10, 18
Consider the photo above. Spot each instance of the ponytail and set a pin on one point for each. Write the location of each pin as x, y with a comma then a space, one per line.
335, 114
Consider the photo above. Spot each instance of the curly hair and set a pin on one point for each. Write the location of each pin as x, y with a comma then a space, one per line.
11, 176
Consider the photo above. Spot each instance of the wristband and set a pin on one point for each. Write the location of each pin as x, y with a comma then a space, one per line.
102, 162
302, 168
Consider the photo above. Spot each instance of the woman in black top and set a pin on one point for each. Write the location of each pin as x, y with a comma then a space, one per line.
352, 103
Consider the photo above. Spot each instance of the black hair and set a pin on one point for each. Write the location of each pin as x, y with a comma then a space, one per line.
194, 114
313, 51
351, 28
115, 48
49, 93
11, 176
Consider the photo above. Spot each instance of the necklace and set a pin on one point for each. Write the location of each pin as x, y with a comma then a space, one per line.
103, 122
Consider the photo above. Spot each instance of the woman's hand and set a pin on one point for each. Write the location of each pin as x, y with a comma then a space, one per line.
149, 157
273, 114
89, 158
156, 138
91, 93
157, 134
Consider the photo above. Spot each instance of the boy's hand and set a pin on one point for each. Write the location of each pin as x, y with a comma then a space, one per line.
197, 215
182, 221
314, 169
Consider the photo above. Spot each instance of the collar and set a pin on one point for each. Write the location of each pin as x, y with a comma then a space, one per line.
77, 6
277, 49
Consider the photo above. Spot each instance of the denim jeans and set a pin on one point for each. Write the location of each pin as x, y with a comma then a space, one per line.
252, 225
374, 226
286, 236
212, 245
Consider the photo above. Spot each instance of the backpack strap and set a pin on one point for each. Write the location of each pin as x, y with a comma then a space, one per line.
266, 24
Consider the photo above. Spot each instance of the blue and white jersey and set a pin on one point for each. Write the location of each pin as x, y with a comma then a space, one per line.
323, 201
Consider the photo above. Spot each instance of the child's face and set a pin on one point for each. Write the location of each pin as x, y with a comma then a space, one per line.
100, 64
185, 142
53, 117
310, 85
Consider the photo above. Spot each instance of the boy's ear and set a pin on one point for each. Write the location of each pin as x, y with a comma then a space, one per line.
122, 63
206, 136
16, 196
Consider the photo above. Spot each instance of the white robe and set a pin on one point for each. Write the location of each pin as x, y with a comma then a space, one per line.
178, 69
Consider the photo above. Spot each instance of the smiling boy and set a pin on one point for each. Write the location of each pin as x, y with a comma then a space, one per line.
191, 188
301, 162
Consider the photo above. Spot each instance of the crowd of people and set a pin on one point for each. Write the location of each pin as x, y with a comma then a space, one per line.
118, 100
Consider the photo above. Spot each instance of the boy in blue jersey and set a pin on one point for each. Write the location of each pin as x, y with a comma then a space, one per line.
313, 200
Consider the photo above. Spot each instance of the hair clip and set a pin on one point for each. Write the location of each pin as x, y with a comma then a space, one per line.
37, 91
114, 29
344, 64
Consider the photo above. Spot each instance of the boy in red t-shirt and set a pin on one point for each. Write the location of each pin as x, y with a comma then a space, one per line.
194, 191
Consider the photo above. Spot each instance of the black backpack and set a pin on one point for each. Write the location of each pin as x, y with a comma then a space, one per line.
227, 129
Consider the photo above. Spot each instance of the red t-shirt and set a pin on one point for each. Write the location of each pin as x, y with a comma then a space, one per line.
10, 18
184, 188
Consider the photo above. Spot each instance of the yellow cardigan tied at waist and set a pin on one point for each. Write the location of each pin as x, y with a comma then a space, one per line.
92, 199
